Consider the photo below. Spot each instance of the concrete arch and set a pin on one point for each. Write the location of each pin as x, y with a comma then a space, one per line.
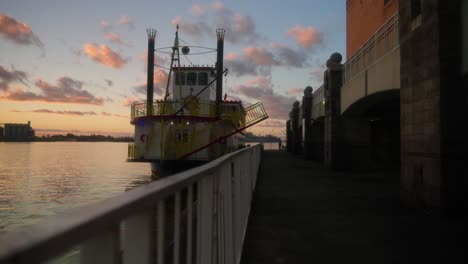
384, 102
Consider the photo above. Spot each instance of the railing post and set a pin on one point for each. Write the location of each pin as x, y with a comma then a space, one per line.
104, 248
189, 223
161, 215
137, 238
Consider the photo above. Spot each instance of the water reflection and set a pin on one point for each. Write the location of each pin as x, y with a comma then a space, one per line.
39, 179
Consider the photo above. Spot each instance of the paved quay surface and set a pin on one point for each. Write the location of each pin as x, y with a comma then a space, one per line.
303, 213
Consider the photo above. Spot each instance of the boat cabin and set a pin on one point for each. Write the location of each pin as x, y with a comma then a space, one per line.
191, 80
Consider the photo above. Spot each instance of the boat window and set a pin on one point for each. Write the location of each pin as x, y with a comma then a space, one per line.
202, 78
191, 78
179, 78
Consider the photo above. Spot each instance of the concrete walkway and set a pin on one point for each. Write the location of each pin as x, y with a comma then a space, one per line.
303, 213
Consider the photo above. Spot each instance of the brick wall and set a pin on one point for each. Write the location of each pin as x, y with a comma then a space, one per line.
433, 130
363, 19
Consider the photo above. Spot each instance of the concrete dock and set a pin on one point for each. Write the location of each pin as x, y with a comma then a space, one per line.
304, 213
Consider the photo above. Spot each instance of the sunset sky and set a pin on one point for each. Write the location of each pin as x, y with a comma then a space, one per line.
75, 66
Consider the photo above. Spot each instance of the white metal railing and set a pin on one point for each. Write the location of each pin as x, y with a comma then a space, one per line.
381, 43
197, 216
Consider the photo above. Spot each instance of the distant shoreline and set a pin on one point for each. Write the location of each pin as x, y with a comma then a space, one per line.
74, 138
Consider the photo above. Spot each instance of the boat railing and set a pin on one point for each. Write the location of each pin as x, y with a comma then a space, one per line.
199, 109
197, 216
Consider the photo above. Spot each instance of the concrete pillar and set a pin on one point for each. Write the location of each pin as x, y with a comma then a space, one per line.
307, 122
332, 86
288, 136
296, 129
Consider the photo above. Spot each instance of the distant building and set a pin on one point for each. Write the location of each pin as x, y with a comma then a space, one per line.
1, 133
18, 132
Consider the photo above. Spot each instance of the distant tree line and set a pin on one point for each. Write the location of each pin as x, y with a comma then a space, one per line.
251, 137
82, 138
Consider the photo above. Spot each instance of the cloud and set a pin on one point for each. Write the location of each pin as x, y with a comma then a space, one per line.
240, 67
259, 56
217, 5
159, 81
109, 82
105, 55
290, 57
305, 36
126, 21
198, 9
295, 91
7, 77
158, 60
127, 101
66, 90
272, 123
114, 115
317, 74
105, 24
259, 60
47, 111
18, 32
115, 38
198, 29
239, 28
231, 56
260, 89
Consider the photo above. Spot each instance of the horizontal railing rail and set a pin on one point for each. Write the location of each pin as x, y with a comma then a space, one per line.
197, 216
195, 108
384, 40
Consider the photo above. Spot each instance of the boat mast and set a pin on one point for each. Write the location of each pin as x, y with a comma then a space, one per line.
175, 58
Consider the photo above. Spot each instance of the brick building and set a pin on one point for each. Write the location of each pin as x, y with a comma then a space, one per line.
364, 18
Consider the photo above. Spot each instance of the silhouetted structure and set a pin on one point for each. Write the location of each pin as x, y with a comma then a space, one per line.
307, 122
17, 132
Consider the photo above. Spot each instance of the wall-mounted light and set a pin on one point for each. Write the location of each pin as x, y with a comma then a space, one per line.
172, 122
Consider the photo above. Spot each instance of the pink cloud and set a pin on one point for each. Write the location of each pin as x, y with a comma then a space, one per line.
295, 91
272, 123
198, 10
105, 55
126, 21
66, 90
231, 56
47, 111
114, 38
114, 115
160, 81
17, 32
259, 56
305, 36
259, 81
105, 24
217, 5
158, 60
127, 101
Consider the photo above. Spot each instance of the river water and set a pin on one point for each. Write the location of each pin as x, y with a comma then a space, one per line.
39, 179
